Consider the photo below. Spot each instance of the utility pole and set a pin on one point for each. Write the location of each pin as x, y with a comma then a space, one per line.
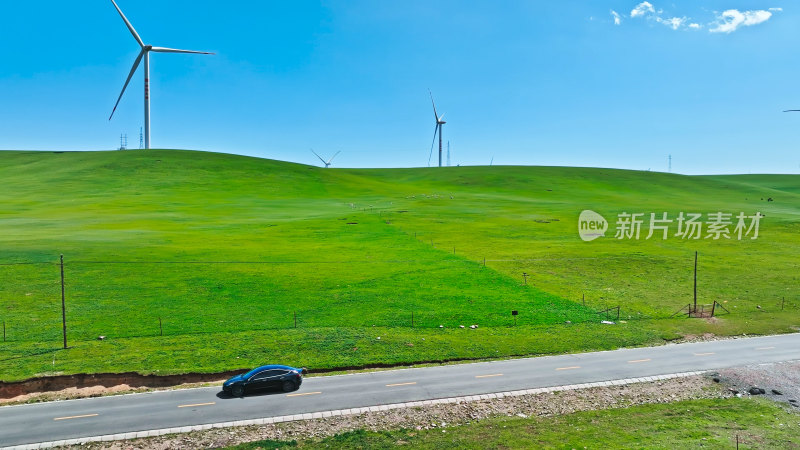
63, 304
695, 282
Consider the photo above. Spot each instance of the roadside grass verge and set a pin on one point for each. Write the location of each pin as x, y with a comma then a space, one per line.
713, 423
315, 348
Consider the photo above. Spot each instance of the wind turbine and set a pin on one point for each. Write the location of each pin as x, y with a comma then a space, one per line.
328, 163
792, 110
438, 129
145, 53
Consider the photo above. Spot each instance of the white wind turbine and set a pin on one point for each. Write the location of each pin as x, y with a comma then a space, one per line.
145, 53
439, 122
328, 163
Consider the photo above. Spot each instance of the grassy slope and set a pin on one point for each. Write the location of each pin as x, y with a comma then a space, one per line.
686, 424
343, 279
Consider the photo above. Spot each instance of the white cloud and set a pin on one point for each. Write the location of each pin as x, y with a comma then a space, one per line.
673, 22
730, 20
725, 22
642, 9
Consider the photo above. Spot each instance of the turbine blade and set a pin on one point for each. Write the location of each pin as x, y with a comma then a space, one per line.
320, 157
435, 116
792, 110
130, 75
130, 27
334, 156
175, 50
435, 130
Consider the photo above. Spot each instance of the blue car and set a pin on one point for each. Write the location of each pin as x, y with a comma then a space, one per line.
265, 378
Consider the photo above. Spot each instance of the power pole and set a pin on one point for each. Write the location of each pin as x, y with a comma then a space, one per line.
695, 282
63, 305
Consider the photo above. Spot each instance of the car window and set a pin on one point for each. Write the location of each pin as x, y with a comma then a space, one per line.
260, 375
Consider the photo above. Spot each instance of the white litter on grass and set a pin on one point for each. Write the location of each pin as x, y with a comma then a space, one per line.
608, 322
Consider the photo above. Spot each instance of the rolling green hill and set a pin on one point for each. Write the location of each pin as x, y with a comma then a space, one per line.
245, 260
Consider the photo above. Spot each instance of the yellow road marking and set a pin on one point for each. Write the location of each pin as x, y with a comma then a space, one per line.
703, 354
75, 417
569, 368
304, 393
638, 360
401, 384
765, 348
197, 404
487, 376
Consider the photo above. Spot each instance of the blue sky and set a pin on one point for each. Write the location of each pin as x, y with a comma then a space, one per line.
522, 82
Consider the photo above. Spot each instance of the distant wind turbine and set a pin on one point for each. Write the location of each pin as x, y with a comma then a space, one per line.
328, 163
145, 53
438, 129
792, 110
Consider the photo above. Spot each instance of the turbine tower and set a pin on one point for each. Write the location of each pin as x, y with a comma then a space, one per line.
437, 130
144, 53
328, 163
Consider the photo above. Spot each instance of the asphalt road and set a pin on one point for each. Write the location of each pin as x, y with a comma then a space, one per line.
25, 424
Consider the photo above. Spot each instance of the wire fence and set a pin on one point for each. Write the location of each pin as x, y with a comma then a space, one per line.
135, 298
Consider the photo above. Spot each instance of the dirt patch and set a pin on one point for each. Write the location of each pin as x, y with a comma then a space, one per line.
780, 381
705, 337
91, 385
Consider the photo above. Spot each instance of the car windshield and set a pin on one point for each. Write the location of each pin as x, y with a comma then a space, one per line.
251, 373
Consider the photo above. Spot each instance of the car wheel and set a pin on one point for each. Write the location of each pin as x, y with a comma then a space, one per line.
238, 391
288, 386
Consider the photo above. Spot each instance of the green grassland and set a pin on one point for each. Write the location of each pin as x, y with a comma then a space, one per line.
717, 423
239, 261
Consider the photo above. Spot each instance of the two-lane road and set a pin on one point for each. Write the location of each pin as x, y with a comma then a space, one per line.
25, 424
